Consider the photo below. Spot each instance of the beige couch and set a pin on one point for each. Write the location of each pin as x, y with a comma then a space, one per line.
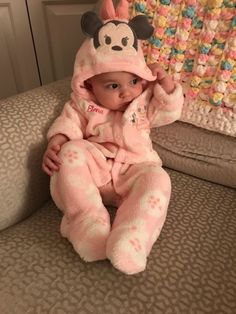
192, 267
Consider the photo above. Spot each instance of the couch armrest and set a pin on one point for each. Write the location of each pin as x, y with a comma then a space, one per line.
24, 121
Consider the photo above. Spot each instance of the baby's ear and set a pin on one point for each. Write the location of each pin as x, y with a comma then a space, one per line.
90, 23
141, 27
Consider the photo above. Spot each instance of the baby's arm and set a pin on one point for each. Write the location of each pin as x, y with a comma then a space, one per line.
166, 104
69, 125
163, 79
51, 161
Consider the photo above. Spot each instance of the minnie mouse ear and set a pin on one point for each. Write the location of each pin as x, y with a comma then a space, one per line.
122, 9
107, 10
90, 23
141, 27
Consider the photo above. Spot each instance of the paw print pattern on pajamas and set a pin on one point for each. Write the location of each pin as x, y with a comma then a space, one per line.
73, 157
156, 203
134, 235
153, 203
127, 246
96, 225
137, 225
136, 244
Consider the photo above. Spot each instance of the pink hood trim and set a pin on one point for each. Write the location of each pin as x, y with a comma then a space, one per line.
90, 62
113, 45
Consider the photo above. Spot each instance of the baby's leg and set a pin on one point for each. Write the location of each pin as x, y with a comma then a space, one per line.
146, 192
86, 222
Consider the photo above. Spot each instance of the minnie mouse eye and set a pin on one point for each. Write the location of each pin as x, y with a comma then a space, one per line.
107, 40
124, 41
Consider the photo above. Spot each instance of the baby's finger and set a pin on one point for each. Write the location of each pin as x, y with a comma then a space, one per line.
47, 170
51, 165
160, 74
56, 147
155, 68
54, 157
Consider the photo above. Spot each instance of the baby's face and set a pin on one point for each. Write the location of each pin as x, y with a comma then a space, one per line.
116, 90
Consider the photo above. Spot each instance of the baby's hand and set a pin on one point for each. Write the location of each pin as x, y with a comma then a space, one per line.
51, 161
163, 78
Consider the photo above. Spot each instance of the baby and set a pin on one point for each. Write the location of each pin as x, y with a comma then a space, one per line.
99, 150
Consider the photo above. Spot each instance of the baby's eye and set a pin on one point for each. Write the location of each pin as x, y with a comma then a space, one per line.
113, 86
134, 81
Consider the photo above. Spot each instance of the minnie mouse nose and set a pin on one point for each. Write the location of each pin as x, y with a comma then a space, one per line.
117, 48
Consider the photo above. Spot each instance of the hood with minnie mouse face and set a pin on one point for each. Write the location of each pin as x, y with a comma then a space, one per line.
113, 45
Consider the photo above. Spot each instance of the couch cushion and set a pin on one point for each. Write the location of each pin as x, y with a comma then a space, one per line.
24, 120
196, 151
191, 267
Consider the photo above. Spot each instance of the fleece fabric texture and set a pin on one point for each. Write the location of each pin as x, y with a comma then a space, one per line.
110, 153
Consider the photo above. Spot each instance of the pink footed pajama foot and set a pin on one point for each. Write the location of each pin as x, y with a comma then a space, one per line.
127, 248
88, 236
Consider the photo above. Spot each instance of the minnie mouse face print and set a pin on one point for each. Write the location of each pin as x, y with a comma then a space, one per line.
116, 36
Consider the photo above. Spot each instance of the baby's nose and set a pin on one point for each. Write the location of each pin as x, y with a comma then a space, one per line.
125, 92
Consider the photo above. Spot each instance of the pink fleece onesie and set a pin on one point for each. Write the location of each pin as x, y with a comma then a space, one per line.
109, 157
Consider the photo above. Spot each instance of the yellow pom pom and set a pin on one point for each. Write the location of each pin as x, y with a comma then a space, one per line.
181, 45
216, 12
203, 2
215, 3
217, 97
216, 51
195, 81
161, 22
179, 57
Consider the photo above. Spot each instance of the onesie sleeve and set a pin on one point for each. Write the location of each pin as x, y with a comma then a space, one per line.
165, 108
70, 122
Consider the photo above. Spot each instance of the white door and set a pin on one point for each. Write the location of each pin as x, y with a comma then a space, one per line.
18, 67
57, 34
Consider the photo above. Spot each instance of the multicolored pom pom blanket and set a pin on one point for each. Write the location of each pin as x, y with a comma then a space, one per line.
195, 41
